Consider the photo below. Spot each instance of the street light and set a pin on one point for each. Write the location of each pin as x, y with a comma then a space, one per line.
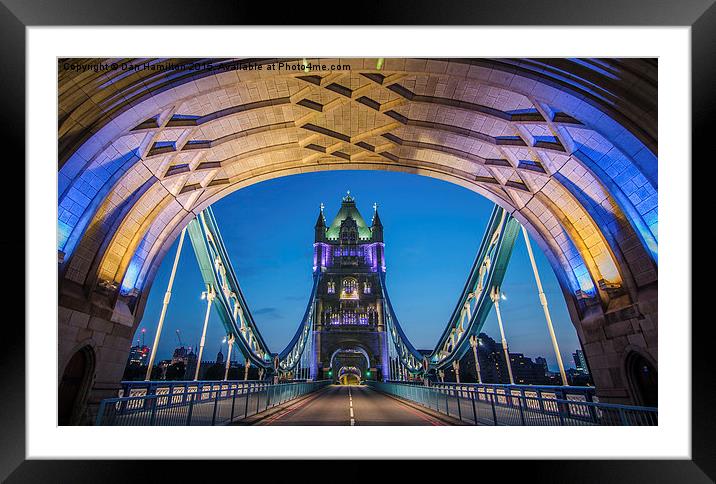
496, 295
209, 295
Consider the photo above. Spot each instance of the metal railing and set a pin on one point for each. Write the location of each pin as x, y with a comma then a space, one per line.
503, 390
140, 388
518, 404
197, 403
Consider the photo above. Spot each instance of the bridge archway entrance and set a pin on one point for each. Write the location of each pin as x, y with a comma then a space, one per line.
349, 375
574, 162
348, 364
74, 386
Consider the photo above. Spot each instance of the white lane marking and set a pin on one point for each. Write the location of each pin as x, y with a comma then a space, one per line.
350, 406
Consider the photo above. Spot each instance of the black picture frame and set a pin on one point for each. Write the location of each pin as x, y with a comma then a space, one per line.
16, 15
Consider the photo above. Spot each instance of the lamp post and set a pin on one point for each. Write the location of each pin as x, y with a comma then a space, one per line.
495, 295
545, 308
165, 305
474, 342
209, 295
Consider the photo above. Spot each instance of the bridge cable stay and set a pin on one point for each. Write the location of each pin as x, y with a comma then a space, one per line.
165, 306
219, 276
473, 306
545, 309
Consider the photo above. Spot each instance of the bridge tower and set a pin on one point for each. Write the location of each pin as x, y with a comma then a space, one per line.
349, 262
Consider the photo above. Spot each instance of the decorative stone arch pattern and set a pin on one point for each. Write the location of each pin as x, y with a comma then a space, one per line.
567, 146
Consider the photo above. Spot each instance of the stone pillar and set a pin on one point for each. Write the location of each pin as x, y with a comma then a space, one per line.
318, 319
108, 342
379, 310
608, 337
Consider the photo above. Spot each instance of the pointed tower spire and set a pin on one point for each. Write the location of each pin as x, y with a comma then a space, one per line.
320, 226
321, 221
376, 225
376, 218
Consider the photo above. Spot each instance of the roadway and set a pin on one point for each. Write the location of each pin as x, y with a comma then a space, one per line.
349, 405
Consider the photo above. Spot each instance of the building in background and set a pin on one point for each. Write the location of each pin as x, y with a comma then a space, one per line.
526, 371
138, 355
493, 367
580, 363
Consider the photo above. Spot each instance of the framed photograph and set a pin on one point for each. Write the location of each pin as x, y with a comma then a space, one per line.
400, 242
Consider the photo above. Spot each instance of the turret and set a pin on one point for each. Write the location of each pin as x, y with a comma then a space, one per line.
321, 226
376, 226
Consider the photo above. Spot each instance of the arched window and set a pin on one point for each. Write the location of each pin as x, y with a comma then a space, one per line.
366, 287
349, 288
331, 287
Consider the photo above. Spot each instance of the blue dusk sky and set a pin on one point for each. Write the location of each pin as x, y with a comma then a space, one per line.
432, 231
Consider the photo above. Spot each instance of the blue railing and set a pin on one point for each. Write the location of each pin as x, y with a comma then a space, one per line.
519, 404
504, 390
197, 403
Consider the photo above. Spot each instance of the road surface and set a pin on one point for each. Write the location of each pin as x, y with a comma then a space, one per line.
349, 405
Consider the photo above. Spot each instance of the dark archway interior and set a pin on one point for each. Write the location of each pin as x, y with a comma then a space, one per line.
345, 360
643, 379
74, 385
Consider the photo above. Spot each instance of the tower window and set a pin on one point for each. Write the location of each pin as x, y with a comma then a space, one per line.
331, 288
366, 288
350, 288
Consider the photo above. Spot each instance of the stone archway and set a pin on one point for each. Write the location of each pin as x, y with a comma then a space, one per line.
567, 147
642, 377
74, 386
349, 375
347, 354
